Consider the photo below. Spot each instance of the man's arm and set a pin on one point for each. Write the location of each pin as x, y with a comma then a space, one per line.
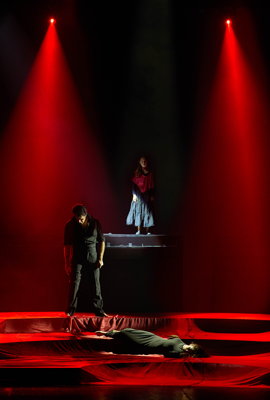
112, 333
68, 253
101, 251
100, 245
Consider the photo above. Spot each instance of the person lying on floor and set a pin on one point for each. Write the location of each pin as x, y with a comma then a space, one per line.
134, 341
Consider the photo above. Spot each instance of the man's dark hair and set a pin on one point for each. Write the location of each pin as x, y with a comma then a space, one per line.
79, 210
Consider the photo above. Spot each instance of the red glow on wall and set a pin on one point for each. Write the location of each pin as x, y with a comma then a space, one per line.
50, 159
226, 257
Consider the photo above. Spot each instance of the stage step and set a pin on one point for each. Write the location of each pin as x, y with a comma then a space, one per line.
223, 326
121, 369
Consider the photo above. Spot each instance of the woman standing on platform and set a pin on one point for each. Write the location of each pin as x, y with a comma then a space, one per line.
141, 208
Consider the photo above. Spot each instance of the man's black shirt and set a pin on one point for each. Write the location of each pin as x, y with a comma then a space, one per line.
84, 239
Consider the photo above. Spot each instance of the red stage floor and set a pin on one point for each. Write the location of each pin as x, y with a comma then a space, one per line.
49, 347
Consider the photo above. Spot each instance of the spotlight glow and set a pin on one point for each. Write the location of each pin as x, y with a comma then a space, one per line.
228, 22
225, 231
52, 20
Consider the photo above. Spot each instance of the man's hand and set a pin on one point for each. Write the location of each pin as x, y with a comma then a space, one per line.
134, 198
100, 263
100, 333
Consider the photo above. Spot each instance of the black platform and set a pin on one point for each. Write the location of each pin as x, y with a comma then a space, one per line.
137, 269
121, 240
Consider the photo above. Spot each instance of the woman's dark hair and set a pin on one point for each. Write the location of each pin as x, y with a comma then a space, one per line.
139, 170
198, 351
79, 210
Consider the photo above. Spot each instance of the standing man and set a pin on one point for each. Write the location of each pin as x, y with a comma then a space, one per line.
84, 247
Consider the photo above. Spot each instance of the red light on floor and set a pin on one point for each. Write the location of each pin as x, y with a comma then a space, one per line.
52, 20
228, 22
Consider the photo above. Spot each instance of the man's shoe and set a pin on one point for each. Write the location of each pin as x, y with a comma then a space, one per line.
101, 314
70, 313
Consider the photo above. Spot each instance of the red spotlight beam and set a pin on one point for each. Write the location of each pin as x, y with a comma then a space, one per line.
226, 238
50, 156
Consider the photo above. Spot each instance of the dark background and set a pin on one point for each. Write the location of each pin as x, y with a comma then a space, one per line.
143, 70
